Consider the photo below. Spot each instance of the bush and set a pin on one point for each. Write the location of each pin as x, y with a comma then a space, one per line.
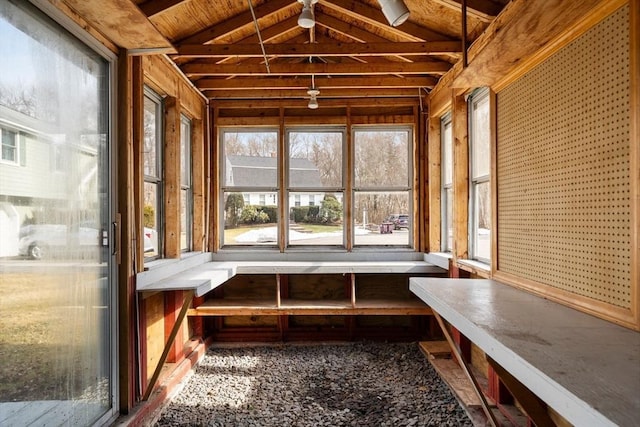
270, 211
299, 213
248, 215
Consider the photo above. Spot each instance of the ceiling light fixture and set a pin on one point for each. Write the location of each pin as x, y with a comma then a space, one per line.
307, 18
395, 11
313, 93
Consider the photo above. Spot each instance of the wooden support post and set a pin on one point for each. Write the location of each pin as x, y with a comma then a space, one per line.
535, 408
463, 364
171, 164
353, 289
172, 336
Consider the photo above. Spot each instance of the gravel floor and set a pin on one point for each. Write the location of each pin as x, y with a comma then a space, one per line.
356, 384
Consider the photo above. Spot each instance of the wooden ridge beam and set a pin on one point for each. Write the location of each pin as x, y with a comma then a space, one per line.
230, 25
321, 69
253, 84
302, 101
324, 49
370, 93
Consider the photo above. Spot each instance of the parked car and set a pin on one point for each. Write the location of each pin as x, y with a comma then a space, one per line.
38, 241
150, 240
399, 221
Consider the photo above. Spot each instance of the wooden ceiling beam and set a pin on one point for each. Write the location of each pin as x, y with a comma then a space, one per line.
257, 83
412, 68
348, 30
333, 49
230, 25
327, 103
374, 16
484, 10
156, 7
370, 93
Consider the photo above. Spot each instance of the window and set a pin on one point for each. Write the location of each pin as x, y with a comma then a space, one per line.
250, 171
313, 170
480, 177
315, 174
446, 135
383, 214
152, 167
9, 146
186, 194
58, 310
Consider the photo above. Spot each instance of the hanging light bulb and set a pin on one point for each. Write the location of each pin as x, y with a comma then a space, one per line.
313, 101
307, 18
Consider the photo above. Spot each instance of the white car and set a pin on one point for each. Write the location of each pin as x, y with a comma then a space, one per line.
38, 241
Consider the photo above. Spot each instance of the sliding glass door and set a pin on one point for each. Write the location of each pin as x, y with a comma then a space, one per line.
56, 293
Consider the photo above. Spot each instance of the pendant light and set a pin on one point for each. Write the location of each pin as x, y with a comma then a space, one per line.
313, 94
395, 11
307, 18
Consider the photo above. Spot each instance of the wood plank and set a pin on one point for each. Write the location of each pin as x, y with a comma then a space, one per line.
156, 7
546, 346
171, 163
452, 374
435, 183
254, 84
230, 25
294, 50
460, 178
302, 103
484, 10
370, 94
123, 23
318, 69
436, 349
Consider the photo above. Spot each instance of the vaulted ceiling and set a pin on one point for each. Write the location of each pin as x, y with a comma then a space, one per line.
234, 49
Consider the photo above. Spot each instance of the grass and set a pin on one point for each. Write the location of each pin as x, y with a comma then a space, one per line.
51, 326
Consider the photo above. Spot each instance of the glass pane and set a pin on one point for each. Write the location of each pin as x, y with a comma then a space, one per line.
381, 158
185, 220
185, 152
253, 223
448, 240
55, 305
480, 137
150, 159
382, 218
150, 220
315, 159
482, 221
250, 159
447, 153
316, 224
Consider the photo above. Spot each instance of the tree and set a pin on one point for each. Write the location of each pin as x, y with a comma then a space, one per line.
233, 208
331, 209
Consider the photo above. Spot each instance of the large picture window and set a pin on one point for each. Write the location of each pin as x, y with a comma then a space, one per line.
312, 181
57, 293
480, 176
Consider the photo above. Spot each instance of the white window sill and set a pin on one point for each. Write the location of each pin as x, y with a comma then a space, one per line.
477, 267
441, 259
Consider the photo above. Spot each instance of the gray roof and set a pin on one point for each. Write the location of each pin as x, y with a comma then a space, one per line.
251, 171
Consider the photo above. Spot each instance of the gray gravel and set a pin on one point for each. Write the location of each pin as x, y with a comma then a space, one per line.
355, 384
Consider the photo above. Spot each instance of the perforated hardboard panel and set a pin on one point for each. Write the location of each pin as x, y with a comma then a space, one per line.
563, 168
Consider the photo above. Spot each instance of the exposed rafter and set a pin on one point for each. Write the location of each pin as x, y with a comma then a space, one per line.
156, 7
301, 94
335, 49
484, 10
255, 83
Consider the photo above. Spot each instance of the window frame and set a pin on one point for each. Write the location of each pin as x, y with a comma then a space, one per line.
17, 147
158, 179
476, 97
186, 181
446, 189
410, 184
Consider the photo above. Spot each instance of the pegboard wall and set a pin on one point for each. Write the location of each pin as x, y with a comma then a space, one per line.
564, 208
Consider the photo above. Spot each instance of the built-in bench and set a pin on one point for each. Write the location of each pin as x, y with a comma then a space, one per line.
199, 275
585, 368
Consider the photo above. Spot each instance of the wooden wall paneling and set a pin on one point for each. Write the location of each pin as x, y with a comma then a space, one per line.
198, 173
348, 190
460, 177
282, 183
422, 141
137, 106
154, 334
173, 302
417, 184
160, 76
171, 164
435, 183
493, 138
127, 367
215, 195
634, 153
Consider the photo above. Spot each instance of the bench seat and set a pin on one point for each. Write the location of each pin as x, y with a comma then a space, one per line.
585, 368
